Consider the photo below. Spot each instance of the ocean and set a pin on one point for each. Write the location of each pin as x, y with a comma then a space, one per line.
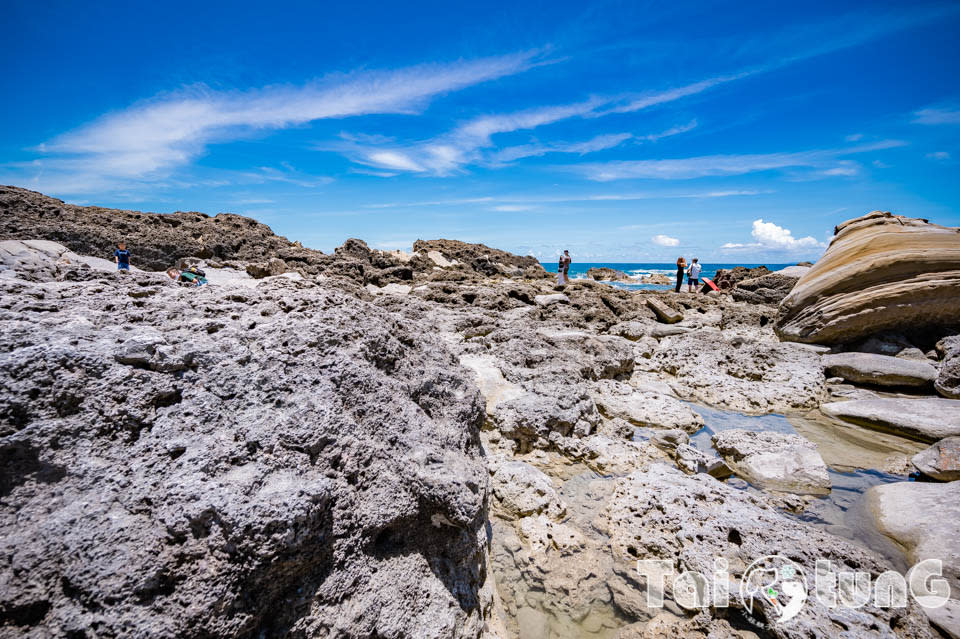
578, 270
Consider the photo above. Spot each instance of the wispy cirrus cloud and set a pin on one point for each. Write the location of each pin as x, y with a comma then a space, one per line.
557, 199
149, 140
827, 161
937, 115
466, 144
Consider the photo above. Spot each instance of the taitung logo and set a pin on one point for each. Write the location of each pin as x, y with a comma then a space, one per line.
775, 581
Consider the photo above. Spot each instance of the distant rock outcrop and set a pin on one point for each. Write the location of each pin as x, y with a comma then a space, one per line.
726, 279
160, 240
882, 271
604, 273
156, 240
481, 258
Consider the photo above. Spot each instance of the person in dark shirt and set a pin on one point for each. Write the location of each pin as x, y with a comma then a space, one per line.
122, 257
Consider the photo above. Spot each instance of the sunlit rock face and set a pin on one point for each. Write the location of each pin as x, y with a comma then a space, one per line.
882, 271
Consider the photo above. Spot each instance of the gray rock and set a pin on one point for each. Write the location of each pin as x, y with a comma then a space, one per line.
659, 330
610, 456
663, 312
948, 377
926, 419
644, 408
691, 520
775, 461
941, 461
709, 367
668, 440
522, 490
766, 289
914, 353
632, 330
541, 419
693, 461
313, 459
924, 518
881, 370
549, 300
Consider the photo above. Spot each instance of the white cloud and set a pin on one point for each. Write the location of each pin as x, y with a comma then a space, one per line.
947, 115
725, 165
939, 155
149, 140
769, 235
854, 137
665, 240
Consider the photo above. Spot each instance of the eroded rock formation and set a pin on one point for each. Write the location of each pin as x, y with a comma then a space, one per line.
233, 463
881, 271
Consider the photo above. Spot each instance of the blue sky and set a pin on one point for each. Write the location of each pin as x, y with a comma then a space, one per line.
624, 131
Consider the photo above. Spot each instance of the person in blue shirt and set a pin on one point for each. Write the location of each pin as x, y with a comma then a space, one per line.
122, 257
693, 275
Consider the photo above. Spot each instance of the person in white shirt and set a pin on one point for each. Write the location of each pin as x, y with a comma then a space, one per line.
693, 275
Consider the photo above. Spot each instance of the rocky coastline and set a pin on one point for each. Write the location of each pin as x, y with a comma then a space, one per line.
442, 443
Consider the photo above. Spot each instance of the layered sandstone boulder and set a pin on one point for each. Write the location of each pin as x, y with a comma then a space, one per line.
881, 271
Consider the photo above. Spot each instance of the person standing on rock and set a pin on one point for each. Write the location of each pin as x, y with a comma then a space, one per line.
681, 267
122, 257
563, 269
693, 275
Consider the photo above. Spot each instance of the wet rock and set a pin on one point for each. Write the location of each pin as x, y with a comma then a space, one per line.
880, 370
941, 461
693, 461
924, 518
522, 490
664, 313
658, 513
775, 461
907, 275
927, 419
709, 367
644, 408
948, 377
